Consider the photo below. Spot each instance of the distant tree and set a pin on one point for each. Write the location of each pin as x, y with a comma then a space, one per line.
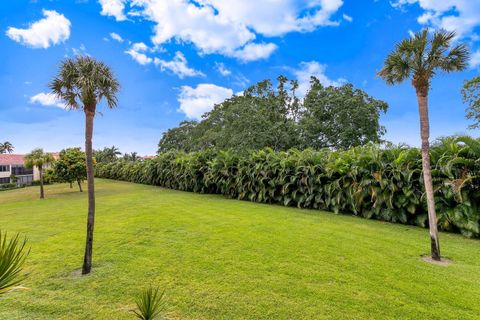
340, 117
6, 147
38, 158
419, 58
182, 138
107, 154
70, 166
132, 156
471, 96
267, 116
82, 83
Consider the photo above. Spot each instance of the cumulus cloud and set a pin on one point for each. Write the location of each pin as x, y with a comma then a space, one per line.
54, 28
313, 68
462, 16
137, 52
475, 59
231, 27
47, 99
113, 8
116, 37
194, 102
220, 67
178, 65
255, 51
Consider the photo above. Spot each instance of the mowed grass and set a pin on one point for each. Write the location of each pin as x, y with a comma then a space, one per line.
226, 259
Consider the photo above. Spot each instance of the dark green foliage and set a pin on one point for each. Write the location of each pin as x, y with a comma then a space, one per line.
107, 154
264, 116
71, 166
369, 181
12, 258
150, 304
7, 186
471, 96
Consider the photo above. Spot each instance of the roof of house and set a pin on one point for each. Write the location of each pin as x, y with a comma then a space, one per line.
11, 158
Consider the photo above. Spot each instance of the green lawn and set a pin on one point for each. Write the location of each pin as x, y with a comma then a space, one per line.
228, 259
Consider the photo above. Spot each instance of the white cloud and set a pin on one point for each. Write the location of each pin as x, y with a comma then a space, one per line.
475, 59
178, 66
137, 52
113, 8
225, 27
116, 37
194, 102
220, 67
255, 51
347, 17
275, 18
54, 28
313, 68
47, 99
462, 16
81, 51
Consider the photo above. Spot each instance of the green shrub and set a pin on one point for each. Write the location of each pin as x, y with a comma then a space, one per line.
369, 181
8, 186
150, 304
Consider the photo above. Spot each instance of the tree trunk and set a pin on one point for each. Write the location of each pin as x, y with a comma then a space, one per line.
87, 260
42, 193
422, 97
79, 185
71, 185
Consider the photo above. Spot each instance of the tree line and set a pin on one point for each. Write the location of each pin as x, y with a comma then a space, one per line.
275, 117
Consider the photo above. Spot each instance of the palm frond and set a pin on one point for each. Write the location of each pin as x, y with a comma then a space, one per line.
12, 258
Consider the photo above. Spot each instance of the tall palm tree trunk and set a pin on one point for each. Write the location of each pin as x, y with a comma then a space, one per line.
87, 260
422, 96
42, 192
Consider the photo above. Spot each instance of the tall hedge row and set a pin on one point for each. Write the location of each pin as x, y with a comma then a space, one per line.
370, 181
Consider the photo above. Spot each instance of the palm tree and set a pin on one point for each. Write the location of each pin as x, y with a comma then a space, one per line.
38, 158
6, 147
419, 58
82, 83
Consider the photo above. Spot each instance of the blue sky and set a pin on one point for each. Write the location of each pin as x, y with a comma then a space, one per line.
176, 58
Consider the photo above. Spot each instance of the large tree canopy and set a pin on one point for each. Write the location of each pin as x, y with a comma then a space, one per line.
265, 116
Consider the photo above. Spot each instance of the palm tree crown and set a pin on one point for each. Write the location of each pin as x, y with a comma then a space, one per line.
38, 158
6, 147
421, 56
85, 81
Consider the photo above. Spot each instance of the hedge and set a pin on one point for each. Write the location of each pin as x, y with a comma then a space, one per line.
373, 182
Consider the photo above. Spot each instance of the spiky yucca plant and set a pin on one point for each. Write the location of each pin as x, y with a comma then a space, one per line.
150, 304
12, 257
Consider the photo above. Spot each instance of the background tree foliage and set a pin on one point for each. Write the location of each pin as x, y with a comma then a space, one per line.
107, 154
70, 167
471, 96
264, 116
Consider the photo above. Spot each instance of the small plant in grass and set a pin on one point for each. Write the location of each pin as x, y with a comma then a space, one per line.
12, 257
150, 304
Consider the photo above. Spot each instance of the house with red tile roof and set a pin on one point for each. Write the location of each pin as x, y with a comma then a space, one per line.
13, 165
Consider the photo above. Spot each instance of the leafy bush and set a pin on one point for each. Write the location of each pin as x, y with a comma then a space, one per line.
8, 186
369, 181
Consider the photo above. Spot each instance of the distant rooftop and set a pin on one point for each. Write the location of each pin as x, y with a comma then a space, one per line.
11, 158
8, 158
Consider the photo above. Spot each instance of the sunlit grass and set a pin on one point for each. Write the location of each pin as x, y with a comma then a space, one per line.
226, 259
